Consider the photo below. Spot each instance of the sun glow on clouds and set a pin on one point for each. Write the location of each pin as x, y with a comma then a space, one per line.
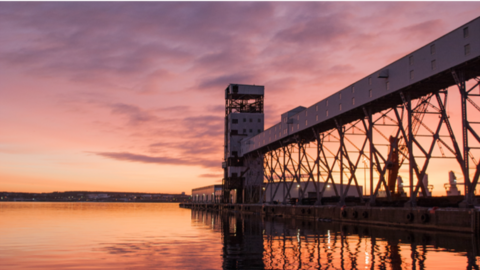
129, 96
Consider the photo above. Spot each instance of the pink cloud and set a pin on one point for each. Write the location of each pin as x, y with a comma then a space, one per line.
124, 156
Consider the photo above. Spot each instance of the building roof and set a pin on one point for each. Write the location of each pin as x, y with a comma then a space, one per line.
211, 186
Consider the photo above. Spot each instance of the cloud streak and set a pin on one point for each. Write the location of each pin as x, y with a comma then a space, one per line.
125, 156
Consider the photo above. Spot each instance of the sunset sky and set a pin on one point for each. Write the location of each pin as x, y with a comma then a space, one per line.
130, 96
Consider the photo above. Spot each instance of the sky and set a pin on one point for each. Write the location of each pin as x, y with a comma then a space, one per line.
130, 96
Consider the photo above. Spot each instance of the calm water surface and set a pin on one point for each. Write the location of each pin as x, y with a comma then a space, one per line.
164, 236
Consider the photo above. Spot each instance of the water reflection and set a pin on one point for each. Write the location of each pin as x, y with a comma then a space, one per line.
164, 236
38, 235
254, 242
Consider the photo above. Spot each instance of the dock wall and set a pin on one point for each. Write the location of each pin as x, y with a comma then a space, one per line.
443, 219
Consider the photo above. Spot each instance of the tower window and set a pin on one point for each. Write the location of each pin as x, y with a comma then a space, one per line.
251, 120
410, 60
465, 32
244, 131
432, 49
259, 120
340, 106
244, 120
387, 85
467, 49
306, 122
411, 74
340, 95
353, 101
316, 108
250, 130
316, 118
434, 64
326, 104
369, 80
234, 121
353, 89
370, 93
326, 113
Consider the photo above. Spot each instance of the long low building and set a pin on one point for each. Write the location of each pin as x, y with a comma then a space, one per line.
276, 192
207, 194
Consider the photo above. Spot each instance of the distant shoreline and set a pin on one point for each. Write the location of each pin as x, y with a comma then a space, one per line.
84, 196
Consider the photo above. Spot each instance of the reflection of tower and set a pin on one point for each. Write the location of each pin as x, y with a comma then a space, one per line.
451, 187
395, 258
242, 242
243, 119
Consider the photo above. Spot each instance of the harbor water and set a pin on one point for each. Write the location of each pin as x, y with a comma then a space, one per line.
41, 235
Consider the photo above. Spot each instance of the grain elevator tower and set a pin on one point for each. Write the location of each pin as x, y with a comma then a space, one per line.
244, 118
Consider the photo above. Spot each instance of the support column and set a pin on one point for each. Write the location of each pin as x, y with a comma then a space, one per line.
284, 177
341, 133
412, 202
469, 196
370, 154
469, 188
299, 173
319, 200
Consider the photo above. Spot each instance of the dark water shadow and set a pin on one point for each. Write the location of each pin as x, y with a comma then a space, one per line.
251, 241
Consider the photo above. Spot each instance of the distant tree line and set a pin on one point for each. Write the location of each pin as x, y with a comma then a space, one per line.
94, 196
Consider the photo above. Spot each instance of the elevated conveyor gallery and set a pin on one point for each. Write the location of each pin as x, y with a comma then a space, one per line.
423, 71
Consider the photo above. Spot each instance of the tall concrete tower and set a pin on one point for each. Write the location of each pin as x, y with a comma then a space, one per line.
244, 118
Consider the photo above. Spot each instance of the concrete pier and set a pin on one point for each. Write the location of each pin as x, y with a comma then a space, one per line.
442, 219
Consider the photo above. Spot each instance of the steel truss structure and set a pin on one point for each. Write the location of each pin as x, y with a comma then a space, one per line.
253, 189
402, 136
393, 124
